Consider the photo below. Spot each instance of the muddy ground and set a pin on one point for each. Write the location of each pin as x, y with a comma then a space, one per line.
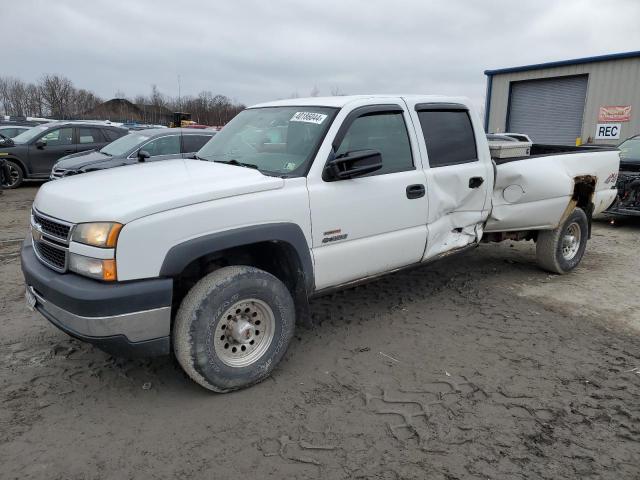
480, 366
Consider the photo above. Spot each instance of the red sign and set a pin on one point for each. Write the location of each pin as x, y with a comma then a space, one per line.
619, 113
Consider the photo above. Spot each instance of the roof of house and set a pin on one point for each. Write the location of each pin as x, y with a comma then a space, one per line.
563, 63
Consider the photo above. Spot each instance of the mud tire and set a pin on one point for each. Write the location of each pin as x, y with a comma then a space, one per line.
201, 311
549, 245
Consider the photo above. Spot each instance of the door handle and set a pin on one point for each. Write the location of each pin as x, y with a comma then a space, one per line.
415, 191
475, 182
69, 151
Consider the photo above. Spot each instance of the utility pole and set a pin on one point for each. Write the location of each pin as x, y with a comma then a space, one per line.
179, 96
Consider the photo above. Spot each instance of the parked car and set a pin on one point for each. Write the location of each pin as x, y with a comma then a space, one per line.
10, 131
217, 259
32, 154
628, 183
145, 145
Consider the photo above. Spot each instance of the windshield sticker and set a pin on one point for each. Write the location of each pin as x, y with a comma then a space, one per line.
309, 117
290, 166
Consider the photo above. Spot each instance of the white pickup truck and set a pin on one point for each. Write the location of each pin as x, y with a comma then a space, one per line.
216, 257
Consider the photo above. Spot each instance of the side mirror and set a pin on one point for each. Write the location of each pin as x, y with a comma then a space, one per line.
41, 143
352, 164
143, 155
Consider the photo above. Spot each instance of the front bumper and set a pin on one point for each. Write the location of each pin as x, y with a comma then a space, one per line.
125, 319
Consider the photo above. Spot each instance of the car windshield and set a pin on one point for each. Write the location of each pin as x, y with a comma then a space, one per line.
630, 150
30, 134
124, 144
275, 140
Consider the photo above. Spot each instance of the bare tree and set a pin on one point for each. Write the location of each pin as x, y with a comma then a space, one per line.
336, 91
55, 96
13, 94
314, 91
57, 92
34, 101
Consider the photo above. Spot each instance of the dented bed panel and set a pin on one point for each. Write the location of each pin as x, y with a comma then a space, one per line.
534, 193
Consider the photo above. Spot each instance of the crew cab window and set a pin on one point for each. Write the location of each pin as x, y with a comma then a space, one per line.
59, 136
449, 137
163, 146
385, 132
90, 135
193, 143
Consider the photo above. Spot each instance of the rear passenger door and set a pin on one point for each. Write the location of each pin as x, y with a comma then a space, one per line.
371, 224
459, 175
192, 143
90, 138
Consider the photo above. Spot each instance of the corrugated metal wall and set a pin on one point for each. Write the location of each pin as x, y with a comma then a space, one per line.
612, 82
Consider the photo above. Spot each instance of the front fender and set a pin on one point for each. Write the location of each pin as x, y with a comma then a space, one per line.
181, 255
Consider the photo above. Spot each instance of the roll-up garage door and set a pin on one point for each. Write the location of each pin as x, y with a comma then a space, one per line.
548, 110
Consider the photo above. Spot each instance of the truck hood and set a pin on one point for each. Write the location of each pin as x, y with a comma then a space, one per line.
124, 194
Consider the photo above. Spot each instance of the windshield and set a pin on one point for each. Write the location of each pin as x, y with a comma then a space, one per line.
276, 140
123, 145
630, 150
30, 134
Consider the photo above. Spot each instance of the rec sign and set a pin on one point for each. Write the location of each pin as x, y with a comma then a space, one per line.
607, 131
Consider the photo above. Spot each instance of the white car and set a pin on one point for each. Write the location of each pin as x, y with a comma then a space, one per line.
216, 257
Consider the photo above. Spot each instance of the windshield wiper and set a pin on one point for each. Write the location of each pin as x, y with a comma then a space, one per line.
237, 163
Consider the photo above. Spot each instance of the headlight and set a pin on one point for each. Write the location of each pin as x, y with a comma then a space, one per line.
98, 268
101, 234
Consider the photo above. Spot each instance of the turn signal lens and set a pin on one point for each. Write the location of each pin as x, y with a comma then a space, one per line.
100, 269
109, 273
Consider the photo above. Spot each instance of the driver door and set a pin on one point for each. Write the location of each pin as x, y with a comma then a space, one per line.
375, 223
58, 143
163, 148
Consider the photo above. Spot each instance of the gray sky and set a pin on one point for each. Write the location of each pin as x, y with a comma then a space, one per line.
255, 51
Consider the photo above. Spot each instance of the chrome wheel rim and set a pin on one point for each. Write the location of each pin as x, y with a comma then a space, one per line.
571, 241
14, 176
244, 333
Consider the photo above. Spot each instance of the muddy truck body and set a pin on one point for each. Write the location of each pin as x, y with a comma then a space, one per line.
215, 258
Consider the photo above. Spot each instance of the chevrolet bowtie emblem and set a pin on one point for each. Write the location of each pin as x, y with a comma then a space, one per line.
36, 232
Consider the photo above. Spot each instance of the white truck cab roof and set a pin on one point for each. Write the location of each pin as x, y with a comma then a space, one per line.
341, 101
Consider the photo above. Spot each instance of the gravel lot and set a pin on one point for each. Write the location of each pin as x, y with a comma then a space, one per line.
479, 366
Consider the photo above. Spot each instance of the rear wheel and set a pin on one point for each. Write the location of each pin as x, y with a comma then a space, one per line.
561, 250
16, 176
233, 327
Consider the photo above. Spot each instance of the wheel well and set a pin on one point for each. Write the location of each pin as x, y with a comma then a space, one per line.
19, 163
276, 257
583, 192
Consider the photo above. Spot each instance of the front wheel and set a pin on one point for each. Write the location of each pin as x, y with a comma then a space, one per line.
560, 250
233, 327
16, 177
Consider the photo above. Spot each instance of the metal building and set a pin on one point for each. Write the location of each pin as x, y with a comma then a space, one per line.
586, 100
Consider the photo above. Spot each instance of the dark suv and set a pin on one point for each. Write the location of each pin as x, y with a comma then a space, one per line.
31, 154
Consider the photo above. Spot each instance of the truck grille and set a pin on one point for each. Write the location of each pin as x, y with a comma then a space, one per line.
51, 227
52, 256
50, 239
